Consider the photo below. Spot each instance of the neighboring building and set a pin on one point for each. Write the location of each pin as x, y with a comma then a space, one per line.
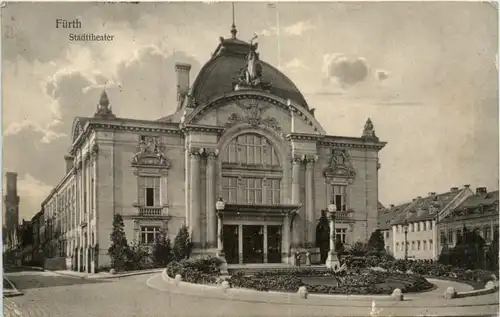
38, 223
385, 218
11, 211
252, 140
478, 212
421, 215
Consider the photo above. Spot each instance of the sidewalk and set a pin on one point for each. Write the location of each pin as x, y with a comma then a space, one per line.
105, 275
10, 290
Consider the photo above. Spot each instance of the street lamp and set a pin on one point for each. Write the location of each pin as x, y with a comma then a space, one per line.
332, 261
405, 228
219, 206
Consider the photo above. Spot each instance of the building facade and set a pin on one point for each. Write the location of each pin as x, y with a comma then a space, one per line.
11, 212
243, 132
420, 216
478, 212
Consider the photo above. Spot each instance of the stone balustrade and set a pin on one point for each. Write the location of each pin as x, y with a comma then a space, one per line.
151, 211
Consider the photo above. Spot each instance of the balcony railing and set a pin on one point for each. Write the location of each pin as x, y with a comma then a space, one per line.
151, 211
343, 215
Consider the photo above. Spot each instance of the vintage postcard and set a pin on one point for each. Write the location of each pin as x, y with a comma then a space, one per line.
250, 159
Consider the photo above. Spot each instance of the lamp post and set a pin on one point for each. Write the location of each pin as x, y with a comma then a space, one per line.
405, 228
220, 205
332, 261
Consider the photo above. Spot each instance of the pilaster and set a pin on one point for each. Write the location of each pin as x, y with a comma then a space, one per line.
310, 161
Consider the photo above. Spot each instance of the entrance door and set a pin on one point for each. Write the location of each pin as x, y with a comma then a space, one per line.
230, 236
274, 244
253, 244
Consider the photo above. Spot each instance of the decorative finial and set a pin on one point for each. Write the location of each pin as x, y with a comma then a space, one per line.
104, 101
369, 131
233, 26
103, 109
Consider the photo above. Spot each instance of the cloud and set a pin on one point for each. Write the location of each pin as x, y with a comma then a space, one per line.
345, 70
298, 28
296, 65
267, 32
381, 75
32, 192
47, 135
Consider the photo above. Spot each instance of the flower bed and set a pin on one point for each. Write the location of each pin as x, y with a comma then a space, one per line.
356, 284
200, 271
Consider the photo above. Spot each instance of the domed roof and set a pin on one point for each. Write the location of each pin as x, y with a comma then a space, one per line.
217, 76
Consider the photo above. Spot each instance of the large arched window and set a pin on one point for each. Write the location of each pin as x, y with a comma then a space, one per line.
250, 149
251, 171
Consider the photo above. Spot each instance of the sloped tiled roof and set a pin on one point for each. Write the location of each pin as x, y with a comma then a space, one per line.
470, 207
475, 201
388, 215
427, 207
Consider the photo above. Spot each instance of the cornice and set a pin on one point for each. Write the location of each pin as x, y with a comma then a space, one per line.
304, 137
201, 128
352, 143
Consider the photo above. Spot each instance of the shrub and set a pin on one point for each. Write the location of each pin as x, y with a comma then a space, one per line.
119, 249
200, 271
138, 257
162, 250
182, 245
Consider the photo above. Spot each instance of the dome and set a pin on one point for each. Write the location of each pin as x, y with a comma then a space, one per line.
218, 74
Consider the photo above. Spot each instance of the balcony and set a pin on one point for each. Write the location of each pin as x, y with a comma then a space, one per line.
151, 211
342, 216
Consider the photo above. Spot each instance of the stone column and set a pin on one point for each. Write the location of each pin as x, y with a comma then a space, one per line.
210, 202
310, 217
296, 228
194, 197
240, 244
265, 243
285, 242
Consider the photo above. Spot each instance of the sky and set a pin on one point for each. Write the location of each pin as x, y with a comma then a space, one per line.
426, 74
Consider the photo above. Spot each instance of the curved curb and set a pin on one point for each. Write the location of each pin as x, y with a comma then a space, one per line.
13, 292
246, 295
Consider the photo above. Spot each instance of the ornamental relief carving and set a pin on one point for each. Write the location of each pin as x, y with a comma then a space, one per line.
150, 153
340, 165
253, 115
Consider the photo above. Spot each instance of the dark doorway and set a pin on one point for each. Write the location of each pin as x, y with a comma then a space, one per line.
253, 244
230, 242
274, 244
323, 236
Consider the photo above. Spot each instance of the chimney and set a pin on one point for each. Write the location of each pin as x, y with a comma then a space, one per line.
418, 197
414, 199
391, 205
69, 162
481, 192
453, 189
432, 193
466, 186
11, 184
182, 71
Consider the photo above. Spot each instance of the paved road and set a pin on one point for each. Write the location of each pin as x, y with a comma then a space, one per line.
47, 294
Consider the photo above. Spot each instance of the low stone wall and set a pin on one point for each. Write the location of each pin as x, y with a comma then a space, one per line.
490, 288
55, 264
224, 291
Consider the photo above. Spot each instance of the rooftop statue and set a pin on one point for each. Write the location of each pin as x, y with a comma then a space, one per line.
251, 74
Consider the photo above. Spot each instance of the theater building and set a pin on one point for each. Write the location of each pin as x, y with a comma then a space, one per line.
241, 131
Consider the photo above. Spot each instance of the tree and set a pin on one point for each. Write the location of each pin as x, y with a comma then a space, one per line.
323, 236
162, 250
469, 250
492, 253
119, 249
376, 243
182, 244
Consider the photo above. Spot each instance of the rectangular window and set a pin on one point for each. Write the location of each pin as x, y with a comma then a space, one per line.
430, 225
149, 193
397, 229
413, 245
412, 227
425, 245
397, 246
486, 233
340, 234
418, 226
149, 233
340, 197
253, 190
450, 236
230, 189
273, 191
418, 245
459, 236
442, 237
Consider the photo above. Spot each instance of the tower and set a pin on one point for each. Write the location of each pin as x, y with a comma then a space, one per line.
11, 200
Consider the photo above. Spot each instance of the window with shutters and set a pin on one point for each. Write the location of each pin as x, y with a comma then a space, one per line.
149, 191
